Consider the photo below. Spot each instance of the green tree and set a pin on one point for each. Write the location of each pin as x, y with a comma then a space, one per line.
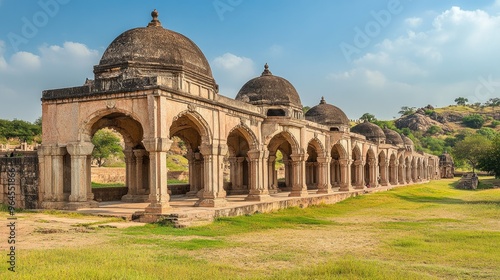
305, 109
493, 102
473, 121
106, 145
461, 101
405, 110
472, 149
367, 117
490, 161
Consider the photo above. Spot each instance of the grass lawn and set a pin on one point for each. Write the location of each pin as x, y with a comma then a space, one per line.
428, 231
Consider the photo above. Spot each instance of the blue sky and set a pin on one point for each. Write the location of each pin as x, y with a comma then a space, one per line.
363, 56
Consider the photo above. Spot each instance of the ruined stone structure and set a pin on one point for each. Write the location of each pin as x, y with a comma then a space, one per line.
153, 84
446, 166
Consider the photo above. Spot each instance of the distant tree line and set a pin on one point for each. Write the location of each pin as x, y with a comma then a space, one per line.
21, 130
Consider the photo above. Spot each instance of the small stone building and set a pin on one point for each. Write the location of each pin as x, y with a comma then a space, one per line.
152, 84
446, 165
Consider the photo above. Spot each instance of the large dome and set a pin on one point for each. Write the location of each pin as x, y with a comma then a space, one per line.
155, 46
371, 131
327, 114
269, 90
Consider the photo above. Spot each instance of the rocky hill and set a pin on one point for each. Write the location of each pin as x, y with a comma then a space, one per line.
449, 120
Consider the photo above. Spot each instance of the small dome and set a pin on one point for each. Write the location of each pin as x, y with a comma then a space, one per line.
327, 114
155, 46
371, 131
407, 141
269, 90
393, 138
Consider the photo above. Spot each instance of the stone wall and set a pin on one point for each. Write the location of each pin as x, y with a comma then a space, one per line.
20, 173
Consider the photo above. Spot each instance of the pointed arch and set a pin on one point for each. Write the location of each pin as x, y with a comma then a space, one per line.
247, 133
199, 122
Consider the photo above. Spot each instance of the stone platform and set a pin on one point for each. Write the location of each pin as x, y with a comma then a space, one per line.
184, 214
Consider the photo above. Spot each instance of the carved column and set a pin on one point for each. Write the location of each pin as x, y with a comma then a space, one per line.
79, 152
158, 189
299, 187
213, 194
345, 177
258, 173
58, 172
324, 186
130, 171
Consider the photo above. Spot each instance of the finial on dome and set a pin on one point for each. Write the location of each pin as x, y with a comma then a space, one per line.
266, 70
322, 100
154, 21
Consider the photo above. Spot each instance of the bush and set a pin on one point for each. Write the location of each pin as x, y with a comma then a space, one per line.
495, 123
473, 121
433, 130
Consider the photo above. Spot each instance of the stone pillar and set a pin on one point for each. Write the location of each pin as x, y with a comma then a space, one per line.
272, 174
139, 155
158, 194
287, 163
299, 187
79, 152
358, 174
130, 170
345, 176
258, 175
58, 172
324, 185
195, 173
45, 165
213, 194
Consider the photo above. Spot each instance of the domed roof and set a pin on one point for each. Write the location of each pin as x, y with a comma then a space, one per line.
370, 131
327, 114
269, 90
392, 137
407, 141
156, 46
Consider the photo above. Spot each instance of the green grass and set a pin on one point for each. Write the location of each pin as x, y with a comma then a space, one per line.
177, 163
428, 231
107, 185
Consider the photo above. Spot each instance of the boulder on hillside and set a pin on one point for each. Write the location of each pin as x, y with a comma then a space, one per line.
420, 122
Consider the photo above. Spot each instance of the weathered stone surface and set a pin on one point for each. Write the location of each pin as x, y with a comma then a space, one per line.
420, 122
469, 181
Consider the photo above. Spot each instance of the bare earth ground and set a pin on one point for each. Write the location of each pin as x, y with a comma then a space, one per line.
44, 231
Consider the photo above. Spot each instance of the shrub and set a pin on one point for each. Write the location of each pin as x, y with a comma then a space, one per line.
473, 121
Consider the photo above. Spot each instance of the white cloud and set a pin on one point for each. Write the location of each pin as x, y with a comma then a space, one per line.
24, 76
231, 72
427, 67
413, 22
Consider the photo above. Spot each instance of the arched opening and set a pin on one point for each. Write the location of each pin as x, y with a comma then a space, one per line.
312, 166
382, 169
336, 177
134, 157
334, 129
357, 168
370, 170
185, 129
276, 113
393, 172
239, 177
279, 145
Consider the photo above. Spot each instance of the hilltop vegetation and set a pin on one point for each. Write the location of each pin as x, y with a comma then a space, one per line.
16, 131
